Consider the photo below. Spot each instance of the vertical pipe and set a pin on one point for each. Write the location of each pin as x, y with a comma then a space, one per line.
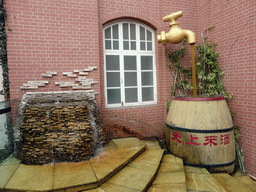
193, 70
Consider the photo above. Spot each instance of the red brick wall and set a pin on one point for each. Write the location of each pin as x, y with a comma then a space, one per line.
46, 35
234, 31
146, 121
60, 35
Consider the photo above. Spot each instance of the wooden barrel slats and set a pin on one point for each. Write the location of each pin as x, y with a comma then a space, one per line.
201, 133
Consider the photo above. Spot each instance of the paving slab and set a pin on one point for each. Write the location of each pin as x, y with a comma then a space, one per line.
110, 145
107, 163
246, 180
171, 159
238, 173
132, 178
99, 189
170, 176
189, 169
139, 174
32, 177
151, 143
108, 187
122, 153
144, 166
230, 183
6, 172
167, 188
127, 142
171, 167
11, 161
150, 156
199, 179
68, 175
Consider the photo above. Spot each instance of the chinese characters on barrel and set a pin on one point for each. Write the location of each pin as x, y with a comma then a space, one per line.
209, 140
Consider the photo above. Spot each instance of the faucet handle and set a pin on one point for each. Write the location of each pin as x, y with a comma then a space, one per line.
172, 18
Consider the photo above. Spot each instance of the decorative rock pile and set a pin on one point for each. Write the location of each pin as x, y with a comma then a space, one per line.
59, 127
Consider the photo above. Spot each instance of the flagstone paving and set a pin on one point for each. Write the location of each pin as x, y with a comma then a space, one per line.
230, 183
245, 179
70, 176
124, 165
199, 179
170, 176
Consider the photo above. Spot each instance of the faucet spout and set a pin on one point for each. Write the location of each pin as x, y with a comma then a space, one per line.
191, 37
176, 34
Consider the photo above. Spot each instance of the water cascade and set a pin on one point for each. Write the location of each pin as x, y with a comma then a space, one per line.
58, 127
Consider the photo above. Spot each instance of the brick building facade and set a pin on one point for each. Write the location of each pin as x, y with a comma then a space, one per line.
62, 36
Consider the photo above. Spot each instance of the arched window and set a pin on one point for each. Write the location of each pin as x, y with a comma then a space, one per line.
129, 64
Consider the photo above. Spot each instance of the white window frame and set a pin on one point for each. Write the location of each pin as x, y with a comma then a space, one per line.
138, 53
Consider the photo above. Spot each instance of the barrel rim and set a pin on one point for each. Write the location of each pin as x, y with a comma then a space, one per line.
187, 98
199, 130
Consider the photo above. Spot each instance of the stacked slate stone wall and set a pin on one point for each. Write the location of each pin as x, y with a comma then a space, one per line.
58, 127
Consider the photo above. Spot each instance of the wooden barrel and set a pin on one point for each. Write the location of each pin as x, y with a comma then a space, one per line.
200, 131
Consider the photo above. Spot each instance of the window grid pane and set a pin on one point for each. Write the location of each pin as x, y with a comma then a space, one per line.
114, 96
125, 31
115, 31
112, 62
108, 33
122, 81
147, 94
113, 79
131, 95
132, 32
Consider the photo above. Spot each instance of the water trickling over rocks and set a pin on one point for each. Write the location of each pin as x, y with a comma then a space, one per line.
58, 127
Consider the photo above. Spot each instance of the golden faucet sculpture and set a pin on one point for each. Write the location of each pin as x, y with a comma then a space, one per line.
176, 35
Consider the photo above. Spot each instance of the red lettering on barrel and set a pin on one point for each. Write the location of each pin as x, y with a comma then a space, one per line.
225, 139
176, 136
191, 141
210, 140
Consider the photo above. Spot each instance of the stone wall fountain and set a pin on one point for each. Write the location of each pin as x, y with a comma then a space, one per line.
58, 127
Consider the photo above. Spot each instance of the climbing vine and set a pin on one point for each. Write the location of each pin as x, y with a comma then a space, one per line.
9, 146
208, 73
3, 52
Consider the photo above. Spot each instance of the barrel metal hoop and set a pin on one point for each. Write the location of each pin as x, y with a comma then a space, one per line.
208, 166
182, 98
199, 131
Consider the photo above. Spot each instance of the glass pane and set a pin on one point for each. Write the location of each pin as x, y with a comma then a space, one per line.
114, 96
112, 62
146, 62
142, 33
149, 35
147, 78
133, 45
108, 33
130, 63
130, 78
107, 44
115, 45
113, 79
142, 46
115, 32
147, 94
125, 31
131, 95
126, 45
149, 46
132, 32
